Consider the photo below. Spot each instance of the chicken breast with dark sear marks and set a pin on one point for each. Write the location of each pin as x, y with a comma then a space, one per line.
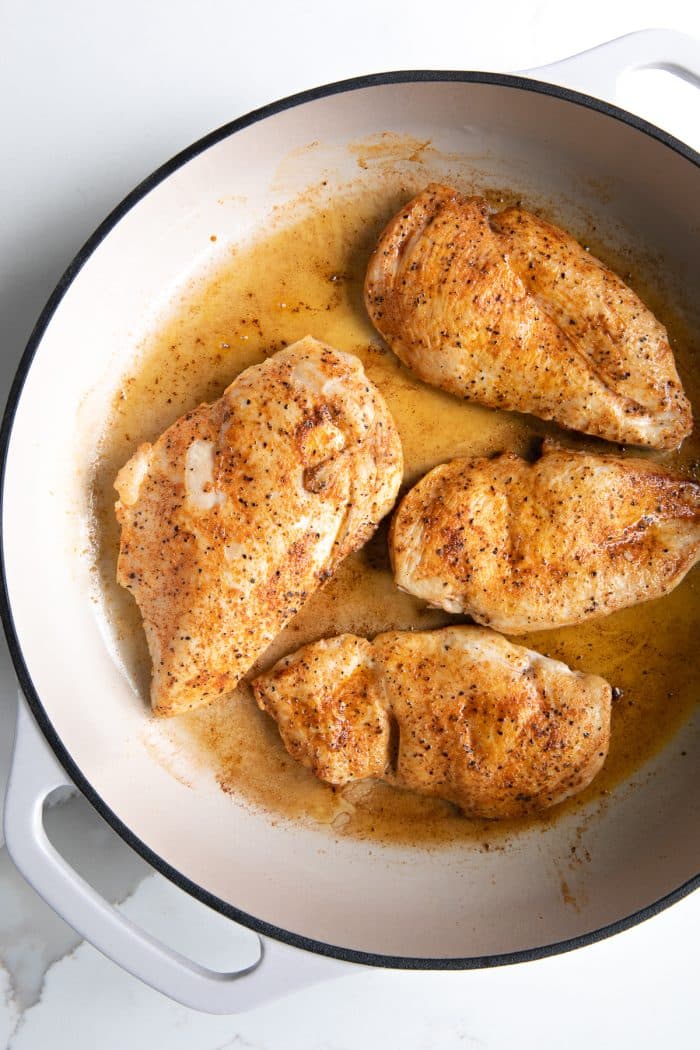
510, 311
243, 507
460, 713
528, 546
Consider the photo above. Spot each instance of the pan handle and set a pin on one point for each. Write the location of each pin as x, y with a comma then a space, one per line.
597, 70
34, 775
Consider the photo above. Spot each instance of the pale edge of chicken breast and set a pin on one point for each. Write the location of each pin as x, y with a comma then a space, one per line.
510, 311
459, 714
244, 507
525, 546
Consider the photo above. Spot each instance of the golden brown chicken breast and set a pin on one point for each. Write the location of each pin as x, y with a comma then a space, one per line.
243, 507
528, 546
460, 714
512, 312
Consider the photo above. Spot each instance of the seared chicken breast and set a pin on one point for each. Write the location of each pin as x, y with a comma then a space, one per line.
526, 546
243, 507
509, 311
460, 714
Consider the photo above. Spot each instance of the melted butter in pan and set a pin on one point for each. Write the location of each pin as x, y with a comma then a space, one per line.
306, 278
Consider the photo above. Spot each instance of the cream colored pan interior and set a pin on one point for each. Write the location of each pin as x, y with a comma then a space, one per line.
452, 903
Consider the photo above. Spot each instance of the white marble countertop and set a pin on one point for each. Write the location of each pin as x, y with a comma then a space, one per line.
94, 97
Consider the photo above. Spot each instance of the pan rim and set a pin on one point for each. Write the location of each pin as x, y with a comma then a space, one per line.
31, 695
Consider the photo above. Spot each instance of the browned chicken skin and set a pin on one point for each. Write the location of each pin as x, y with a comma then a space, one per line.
460, 714
528, 546
510, 311
243, 507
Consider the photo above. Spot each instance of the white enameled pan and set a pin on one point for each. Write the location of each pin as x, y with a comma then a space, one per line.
315, 912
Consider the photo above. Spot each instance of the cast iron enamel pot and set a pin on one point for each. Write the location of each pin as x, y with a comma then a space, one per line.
317, 906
